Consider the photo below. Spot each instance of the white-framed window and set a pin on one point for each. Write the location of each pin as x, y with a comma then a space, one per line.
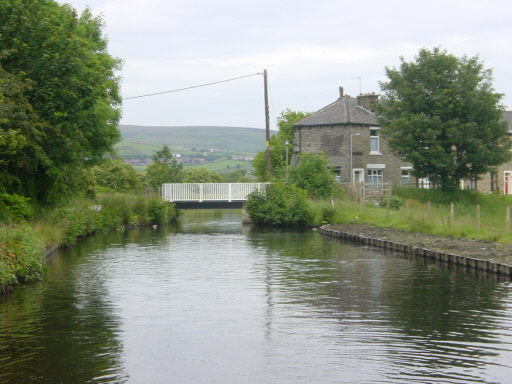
358, 175
375, 141
375, 176
405, 177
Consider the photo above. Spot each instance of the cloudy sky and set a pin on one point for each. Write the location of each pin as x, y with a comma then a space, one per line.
309, 49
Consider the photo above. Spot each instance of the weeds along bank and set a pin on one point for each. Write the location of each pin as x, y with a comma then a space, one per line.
26, 237
474, 216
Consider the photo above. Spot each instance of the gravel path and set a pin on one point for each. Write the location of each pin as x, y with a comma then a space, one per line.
500, 253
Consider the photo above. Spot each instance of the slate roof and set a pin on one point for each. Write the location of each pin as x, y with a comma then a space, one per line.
343, 111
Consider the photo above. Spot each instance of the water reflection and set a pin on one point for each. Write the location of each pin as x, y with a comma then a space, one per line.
209, 300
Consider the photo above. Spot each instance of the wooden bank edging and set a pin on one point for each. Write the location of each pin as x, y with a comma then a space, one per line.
464, 261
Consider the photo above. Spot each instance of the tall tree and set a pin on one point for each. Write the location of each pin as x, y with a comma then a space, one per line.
285, 122
71, 81
21, 137
164, 169
442, 114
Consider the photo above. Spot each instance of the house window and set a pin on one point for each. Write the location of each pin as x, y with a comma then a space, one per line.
424, 183
374, 141
375, 176
494, 181
405, 177
472, 183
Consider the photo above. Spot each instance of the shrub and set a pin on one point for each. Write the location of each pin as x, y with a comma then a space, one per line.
160, 211
279, 205
14, 207
395, 202
312, 174
21, 256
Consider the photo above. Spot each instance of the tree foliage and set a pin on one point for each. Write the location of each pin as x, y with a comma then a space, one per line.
164, 169
441, 114
115, 174
312, 175
285, 122
201, 175
56, 64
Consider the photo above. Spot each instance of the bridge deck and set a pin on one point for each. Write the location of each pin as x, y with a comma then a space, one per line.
209, 192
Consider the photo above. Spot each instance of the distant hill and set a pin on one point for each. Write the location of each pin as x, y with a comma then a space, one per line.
233, 139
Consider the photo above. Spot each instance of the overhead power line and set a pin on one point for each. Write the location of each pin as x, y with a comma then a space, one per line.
192, 87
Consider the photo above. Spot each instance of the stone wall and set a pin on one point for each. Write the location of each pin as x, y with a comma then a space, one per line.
334, 142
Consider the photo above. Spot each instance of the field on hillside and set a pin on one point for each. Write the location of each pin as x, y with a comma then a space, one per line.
236, 139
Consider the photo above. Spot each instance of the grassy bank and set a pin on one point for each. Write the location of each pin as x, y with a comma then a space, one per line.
23, 244
414, 215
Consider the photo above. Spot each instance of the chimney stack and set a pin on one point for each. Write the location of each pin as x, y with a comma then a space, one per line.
341, 92
367, 101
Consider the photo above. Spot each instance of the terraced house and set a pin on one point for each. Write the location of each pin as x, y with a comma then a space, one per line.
346, 131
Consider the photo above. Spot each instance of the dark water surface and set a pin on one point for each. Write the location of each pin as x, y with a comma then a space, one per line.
212, 302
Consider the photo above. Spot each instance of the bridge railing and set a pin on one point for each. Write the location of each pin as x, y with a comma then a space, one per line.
209, 191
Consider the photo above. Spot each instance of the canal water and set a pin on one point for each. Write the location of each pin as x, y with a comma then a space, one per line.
211, 301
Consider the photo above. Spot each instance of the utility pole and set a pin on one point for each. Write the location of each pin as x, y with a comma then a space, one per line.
267, 121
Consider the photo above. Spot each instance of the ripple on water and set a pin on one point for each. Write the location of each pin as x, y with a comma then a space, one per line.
215, 303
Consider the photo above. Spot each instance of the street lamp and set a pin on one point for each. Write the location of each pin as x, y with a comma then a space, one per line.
286, 143
351, 170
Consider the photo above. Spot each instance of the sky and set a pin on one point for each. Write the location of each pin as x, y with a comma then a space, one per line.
309, 50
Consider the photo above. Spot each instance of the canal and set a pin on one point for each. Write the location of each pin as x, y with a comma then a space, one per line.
210, 301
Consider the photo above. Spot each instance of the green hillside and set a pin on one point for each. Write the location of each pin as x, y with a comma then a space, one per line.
234, 139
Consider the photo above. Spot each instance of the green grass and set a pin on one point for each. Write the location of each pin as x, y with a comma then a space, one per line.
417, 219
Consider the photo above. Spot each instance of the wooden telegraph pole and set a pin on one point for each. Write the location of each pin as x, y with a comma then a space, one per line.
267, 121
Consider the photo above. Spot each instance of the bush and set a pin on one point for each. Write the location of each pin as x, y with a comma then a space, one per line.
21, 256
312, 175
14, 207
160, 211
279, 205
116, 175
395, 202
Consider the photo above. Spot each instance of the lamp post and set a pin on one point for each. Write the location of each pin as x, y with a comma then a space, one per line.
351, 170
286, 143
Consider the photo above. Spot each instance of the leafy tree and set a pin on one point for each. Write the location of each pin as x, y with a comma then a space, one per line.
116, 175
70, 83
164, 169
21, 138
312, 174
441, 114
201, 175
285, 122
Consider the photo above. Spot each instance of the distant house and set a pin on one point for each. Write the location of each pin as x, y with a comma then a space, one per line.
347, 132
499, 180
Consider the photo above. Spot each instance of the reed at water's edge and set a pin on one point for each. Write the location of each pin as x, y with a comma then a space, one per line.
24, 244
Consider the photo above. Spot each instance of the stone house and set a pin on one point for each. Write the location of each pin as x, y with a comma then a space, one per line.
347, 132
499, 180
